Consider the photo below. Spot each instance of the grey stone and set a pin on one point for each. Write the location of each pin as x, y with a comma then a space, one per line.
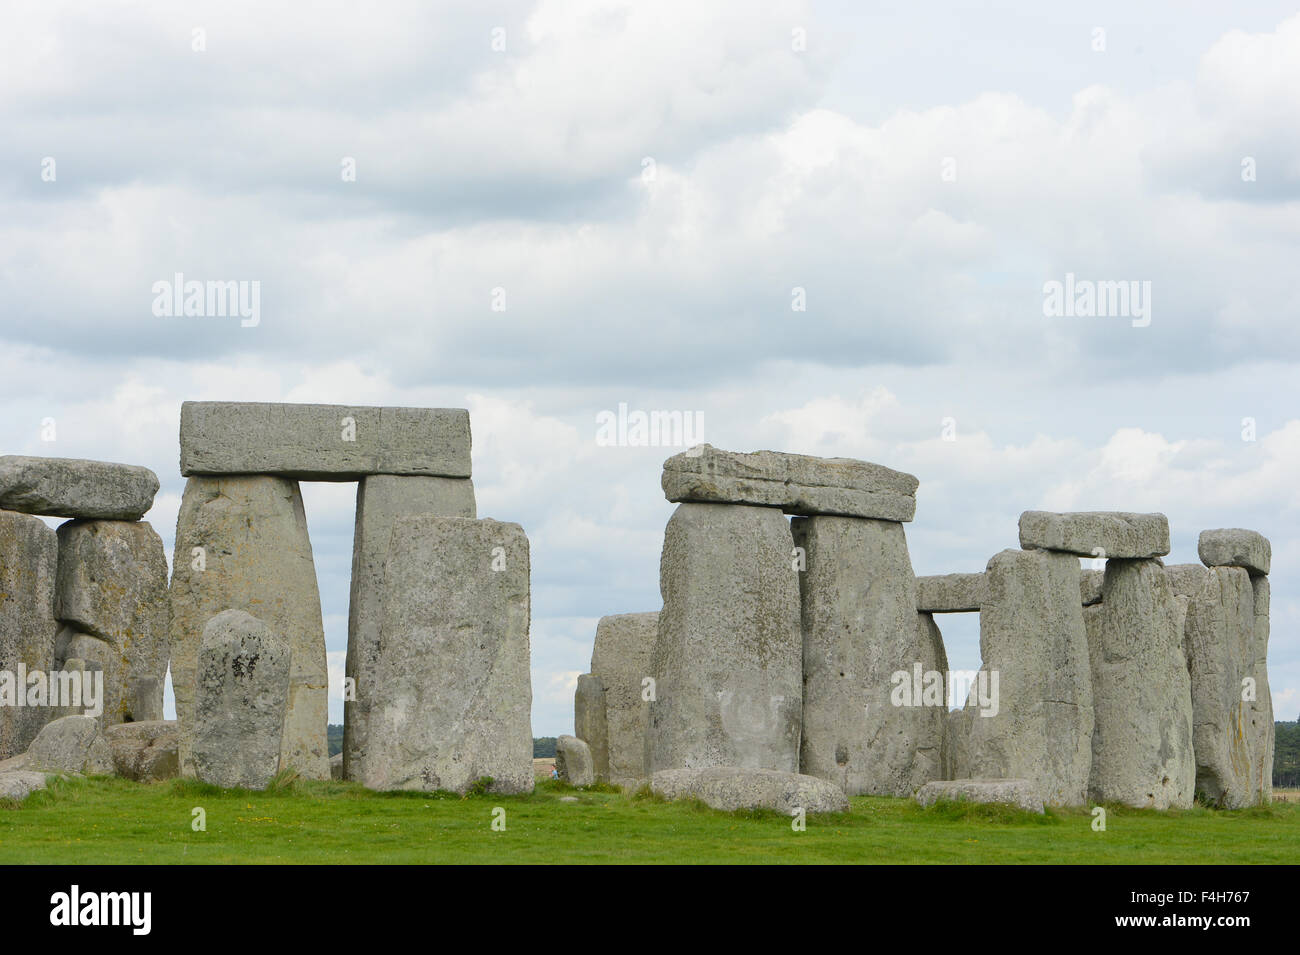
453, 659
81, 684
28, 561
310, 442
728, 658
19, 784
957, 742
1021, 793
145, 751
1142, 744
621, 658
950, 593
796, 483
381, 500
71, 744
590, 723
336, 766
1235, 547
1186, 580
1096, 533
573, 761
1090, 586
1261, 728
72, 487
112, 585
257, 557
241, 702
1032, 637
862, 728
729, 788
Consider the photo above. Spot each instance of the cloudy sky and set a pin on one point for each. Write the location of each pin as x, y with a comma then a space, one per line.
541, 210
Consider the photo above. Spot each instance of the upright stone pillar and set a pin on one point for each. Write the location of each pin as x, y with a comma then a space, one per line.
621, 659
1032, 640
590, 723
28, 561
1142, 746
1262, 728
728, 655
381, 500
861, 629
242, 544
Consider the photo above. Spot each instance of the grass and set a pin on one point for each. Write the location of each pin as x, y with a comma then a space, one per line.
107, 820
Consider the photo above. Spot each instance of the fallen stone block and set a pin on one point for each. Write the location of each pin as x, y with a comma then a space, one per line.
796, 483
1235, 547
950, 593
1142, 698
72, 744
453, 659
861, 632
1032, 637
381, 500
72, 487
1096, 533
28, 563
145, 751
112, 585
729, 788
18, 784
728, 659
241, 702
242, 544
1021, 793
573, 761
621, 658
322, 442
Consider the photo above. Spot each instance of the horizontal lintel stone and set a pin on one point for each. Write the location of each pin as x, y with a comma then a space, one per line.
1096, 533
1235, 547
76, 488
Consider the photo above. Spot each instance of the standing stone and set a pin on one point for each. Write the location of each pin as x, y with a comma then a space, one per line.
1220, 638
381, 500
622, 658
322, 442
573, 761
1142, 745
1235, 547
590, 723
1096, 533
1032, 637
241, 702
453, 659
957, 742
28, 562
72, 487
728, 657
242, 543
861, 629
1261, 728
1090, 586
112, 586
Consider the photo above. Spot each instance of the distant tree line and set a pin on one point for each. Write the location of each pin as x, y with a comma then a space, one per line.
544, 747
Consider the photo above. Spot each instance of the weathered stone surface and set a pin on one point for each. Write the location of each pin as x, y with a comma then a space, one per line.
336, 766
1261, 728
862, 728
80, 681
28, 560
1235, 547
145, 751
1220, 638
796, 483
950, 593
1090, 586
453, 659
241, 702
322, 442
573, 761
1096, 533
72, 487
621, 658
729, 788
1142, 743
1186, 580
256, 556
590, 723
728, 658
72, 744
18, 784
112, 586
957, 742
1021, 793
1032, 637
381, 500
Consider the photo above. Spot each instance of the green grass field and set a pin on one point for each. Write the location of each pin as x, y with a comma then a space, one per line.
107, 820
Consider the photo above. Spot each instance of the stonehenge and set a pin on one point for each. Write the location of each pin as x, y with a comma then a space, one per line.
611, 704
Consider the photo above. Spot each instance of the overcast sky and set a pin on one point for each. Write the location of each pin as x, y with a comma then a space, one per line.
645, 187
